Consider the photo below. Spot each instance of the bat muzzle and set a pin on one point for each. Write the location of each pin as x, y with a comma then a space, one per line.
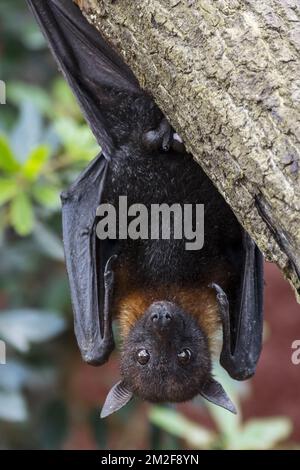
161, 316
161, 319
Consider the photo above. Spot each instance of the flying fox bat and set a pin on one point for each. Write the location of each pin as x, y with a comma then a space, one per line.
169, 302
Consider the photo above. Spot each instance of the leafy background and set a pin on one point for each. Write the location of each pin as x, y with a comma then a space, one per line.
48, 397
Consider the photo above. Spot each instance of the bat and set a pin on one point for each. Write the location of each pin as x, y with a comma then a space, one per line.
170, 303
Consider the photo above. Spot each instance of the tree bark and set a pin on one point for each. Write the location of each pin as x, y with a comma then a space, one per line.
226, 73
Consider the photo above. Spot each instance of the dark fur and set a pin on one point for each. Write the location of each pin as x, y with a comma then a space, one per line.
169, 177
163, 378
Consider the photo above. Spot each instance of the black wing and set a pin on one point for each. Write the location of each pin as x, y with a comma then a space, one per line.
89, 264
243, 319
92, 69
88, 64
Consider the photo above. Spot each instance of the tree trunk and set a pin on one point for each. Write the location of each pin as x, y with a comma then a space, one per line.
226, 73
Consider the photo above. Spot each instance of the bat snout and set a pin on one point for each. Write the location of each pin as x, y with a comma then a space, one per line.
160, 315
162, 319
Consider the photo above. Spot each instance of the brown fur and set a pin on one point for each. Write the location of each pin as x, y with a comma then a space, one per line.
132, 300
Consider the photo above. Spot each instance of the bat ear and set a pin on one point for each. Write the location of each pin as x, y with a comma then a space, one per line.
215, 393
117, 397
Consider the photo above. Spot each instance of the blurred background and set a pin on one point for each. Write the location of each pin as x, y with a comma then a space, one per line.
48, 397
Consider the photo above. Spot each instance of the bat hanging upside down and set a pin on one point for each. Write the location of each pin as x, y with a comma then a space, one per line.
169, 302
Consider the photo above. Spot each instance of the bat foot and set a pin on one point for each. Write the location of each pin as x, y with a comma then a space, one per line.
108, 279
64, 196
221, 296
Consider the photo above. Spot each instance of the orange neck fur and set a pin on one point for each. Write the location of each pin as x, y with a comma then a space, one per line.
132, 301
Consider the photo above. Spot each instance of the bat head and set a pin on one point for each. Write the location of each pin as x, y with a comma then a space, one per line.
165, 358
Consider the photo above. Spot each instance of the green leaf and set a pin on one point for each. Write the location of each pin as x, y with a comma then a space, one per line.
177, 425
8, 189
77, 139
262, 434
64, 101
8, 162
35, 162
21, 214
46, 195
21, 327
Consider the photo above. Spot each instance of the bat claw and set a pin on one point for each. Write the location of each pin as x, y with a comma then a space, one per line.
108, 278
221, 298
221, 295
64, 196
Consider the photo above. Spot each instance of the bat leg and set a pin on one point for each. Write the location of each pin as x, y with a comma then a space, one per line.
167, 138
242, 327
108, 281
161, 137
164, 137
225, 317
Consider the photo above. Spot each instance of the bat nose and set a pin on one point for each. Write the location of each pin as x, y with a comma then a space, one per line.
161, 318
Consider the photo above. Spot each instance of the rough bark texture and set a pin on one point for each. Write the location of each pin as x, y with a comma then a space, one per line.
227, 75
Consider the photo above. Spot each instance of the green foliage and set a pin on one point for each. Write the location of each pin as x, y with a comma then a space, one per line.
36, 155
22, 327
175, 423
18, 185
21, 214
8, 162
8, 189
76, 139
232, 433
259, 434
44, 144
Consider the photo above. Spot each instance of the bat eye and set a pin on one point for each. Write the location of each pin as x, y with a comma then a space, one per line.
184, 356
143, 356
